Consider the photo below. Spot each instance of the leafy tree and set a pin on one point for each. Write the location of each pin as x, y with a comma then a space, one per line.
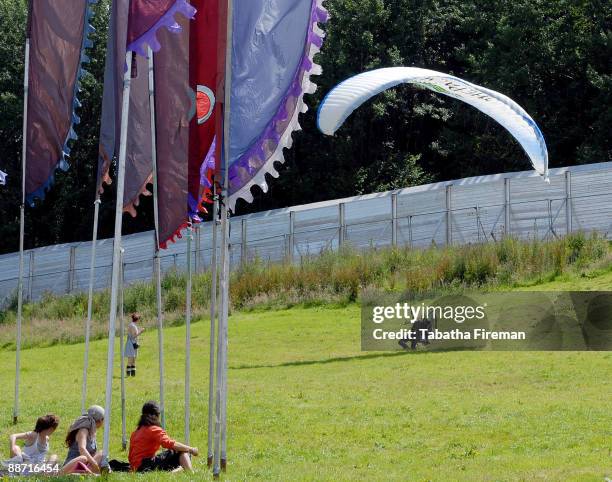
551, 56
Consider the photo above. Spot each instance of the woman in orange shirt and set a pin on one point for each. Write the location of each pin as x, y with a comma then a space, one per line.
149, 437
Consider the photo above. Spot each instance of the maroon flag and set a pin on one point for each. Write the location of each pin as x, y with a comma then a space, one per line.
187, 78
175, 107
58, 33
138, 160
174, 104
134, 25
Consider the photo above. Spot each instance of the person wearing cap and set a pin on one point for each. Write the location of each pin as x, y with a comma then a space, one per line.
81, 442
147, 440
130, 351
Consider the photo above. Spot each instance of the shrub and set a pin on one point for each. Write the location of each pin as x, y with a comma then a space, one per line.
330, 278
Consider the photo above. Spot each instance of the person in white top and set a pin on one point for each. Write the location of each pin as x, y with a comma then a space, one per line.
36, 446
131, 345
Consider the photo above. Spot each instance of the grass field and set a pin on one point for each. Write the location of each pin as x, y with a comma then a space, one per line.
306, 404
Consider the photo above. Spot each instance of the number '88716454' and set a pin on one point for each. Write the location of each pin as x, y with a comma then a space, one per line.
33, 468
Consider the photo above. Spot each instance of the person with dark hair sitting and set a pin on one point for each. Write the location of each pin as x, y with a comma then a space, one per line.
36, 447
149, 437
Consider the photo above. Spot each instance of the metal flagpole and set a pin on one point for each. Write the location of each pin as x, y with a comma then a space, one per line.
157, 260
220, 349
125, 110
213, 319
92, 268
188, 334
26, 82
122, 357
220, 462
223, 331
224, 315
225, 273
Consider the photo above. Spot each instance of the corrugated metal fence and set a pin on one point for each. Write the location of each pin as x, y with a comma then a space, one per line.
471, 210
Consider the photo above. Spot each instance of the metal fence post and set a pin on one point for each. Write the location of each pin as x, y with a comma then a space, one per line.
71, 264
478, 223
291, 245
394, 219
243, 246
341, 224
507, 204
31, 276
568, 202
153, 258
198, 236
213, 251
449, 215
410, 240
551, 227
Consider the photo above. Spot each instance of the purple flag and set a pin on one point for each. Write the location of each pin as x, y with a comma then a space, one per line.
274, 44
59, 35
147, 17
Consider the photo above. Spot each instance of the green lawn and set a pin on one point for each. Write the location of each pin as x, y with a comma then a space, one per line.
577, 283
306, 404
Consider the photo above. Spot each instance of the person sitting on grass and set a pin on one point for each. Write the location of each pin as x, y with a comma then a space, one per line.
149, 437
81, 442
36, 446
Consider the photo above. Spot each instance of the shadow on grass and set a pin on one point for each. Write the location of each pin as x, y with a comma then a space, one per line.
369, 356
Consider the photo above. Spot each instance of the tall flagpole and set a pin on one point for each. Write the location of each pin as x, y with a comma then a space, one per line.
125, 111
157, 260
26, 82
220, 461
223, 333
92, 269
188, 335
213, 320
225, 274
122, 351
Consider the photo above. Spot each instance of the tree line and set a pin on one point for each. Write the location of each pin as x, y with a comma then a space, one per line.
551, 56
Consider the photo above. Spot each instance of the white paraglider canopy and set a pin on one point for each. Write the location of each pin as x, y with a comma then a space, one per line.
352, 93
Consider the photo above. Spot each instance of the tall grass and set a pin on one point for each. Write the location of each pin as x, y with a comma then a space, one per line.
339, 276
330, 278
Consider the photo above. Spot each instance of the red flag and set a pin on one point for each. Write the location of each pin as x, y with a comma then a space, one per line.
204, 78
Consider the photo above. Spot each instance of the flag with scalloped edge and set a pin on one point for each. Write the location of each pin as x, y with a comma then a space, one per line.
58, 31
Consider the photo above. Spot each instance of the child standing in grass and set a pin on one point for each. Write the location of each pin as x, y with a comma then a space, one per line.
131, 345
